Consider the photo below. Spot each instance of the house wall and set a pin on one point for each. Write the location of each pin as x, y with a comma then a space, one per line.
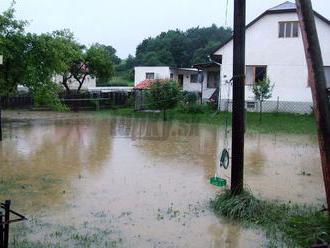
284, 57
164, 72
187, 85
161, 72
90, 82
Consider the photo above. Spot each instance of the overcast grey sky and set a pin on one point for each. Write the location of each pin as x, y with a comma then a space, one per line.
125, 23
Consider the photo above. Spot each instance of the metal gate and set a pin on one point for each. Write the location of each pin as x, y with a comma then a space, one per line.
5, 221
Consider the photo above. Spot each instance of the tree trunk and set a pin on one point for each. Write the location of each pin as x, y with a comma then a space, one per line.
81, 82
66, 87
65, 83
164, 115
260, 112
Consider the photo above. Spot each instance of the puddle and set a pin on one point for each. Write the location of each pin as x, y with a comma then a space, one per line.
84, 180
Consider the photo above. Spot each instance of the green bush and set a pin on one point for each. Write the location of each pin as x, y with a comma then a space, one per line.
189, 98
164, 95
47, 95
189, 103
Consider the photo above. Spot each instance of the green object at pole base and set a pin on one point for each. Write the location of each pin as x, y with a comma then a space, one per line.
217, 181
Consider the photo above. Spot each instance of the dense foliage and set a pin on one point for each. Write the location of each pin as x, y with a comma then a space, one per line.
29, 60
174, 48
33, 60
181, 49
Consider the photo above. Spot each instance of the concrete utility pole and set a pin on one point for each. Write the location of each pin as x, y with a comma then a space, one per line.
318, 85
238, 120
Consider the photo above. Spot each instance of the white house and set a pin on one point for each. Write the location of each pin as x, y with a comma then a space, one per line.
274, 49
90, 82
187, 77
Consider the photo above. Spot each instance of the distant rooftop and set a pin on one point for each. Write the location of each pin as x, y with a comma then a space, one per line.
284, 6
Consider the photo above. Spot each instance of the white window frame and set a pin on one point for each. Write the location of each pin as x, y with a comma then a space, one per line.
288, 33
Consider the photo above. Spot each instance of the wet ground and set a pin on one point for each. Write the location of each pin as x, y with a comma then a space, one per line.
89, 180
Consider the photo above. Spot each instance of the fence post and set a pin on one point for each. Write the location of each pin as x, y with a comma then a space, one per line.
7, 218
97, 105
0, 123
277, 104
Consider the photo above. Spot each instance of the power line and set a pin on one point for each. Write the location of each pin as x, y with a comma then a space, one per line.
226, 20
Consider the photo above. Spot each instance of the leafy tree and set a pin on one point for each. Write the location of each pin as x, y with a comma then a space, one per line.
97, 63
164, 95
262, 91
33, 60
175, 48
125, 69
12, 47
42, 62
69, 51
201, 55
111, 52
81, 63
29, 60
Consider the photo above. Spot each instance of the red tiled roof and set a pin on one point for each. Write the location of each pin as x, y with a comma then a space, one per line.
146, 84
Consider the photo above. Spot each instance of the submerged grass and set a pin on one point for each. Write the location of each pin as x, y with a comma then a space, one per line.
271, 122
36, 233
284, 224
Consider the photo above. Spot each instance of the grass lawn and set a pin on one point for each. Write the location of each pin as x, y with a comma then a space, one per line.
271, 123
289, 224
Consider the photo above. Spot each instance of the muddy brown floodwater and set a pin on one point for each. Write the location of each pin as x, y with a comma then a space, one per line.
90, 180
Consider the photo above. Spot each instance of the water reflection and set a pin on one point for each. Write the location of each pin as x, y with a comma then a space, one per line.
46, 158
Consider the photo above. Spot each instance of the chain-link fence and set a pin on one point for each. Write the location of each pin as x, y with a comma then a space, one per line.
272, 106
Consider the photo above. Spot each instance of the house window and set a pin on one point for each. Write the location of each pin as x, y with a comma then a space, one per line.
251, 105
255, 73
288, 30
193, 78
150, 75
213, 79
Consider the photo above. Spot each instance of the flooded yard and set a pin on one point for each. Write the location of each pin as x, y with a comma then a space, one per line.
88, 180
